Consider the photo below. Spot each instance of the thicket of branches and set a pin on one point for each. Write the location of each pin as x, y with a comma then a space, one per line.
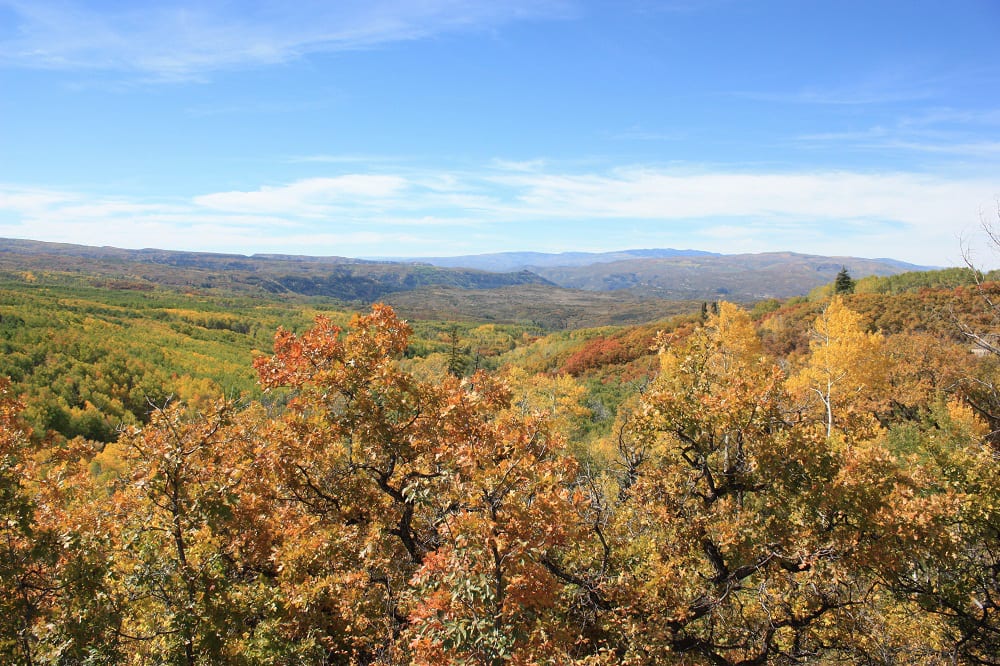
837, 504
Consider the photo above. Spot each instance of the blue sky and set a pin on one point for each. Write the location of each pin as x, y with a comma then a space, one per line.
443, 127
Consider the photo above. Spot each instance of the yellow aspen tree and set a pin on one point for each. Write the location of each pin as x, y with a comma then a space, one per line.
845, 370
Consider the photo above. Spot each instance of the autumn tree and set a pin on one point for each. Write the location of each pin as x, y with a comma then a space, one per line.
922, 369
837, 504
715, 416
737, 536
190, 586
486, 595
951, 567
953, 573
560, 397
421, 509
53, 558
355, 452
845, 369
26, 551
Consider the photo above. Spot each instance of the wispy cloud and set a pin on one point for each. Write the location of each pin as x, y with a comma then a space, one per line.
644, 193
910, 216
872, 134
962, 133
884, 85
343, 159
966, 149
257, 108
847, 96
637, 133
936, 116
313, 197
183, 39
677, 6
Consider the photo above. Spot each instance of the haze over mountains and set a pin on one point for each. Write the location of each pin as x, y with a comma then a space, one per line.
516, 261
682, 274
665, 274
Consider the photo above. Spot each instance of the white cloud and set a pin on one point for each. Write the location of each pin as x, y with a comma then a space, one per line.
942, 131
911, 199
183, 39
968, 149
309, 197
27, 200
909, 216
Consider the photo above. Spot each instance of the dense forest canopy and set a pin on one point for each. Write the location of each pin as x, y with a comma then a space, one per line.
203, 478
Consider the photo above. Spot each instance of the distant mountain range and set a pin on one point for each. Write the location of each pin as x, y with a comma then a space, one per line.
519, 261
636, 275
334, 277
682, 274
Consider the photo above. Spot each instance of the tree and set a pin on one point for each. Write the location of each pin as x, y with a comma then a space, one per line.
456, 362
488, 594
843, 283
190, 570
27, 552
953, 572
731, 534
419, 512
950, 563
845, 369
714, 414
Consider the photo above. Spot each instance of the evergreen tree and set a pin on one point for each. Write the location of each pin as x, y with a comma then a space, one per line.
456, 360
843, 283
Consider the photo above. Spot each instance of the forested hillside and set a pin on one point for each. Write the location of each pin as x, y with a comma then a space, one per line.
205, 478
331, 277
88, 359
418, 290
684, 274
632, 279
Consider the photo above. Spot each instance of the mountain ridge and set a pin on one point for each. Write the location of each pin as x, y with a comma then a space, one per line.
527, 260
664, 274
333, 277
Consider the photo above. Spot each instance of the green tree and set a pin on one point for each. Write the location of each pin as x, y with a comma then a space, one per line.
456, 360
843, 283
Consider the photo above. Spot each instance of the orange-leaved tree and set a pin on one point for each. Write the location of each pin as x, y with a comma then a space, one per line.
190, 541
486, 595
27, 550
419, 511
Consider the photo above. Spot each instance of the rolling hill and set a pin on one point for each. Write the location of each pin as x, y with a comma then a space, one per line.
739, 277
550, 290
332, 277
683, 274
